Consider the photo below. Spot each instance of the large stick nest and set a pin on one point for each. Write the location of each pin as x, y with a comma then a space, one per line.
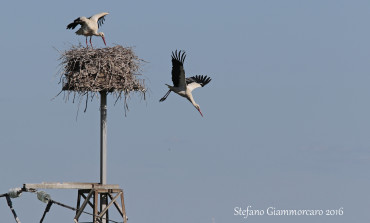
112, 69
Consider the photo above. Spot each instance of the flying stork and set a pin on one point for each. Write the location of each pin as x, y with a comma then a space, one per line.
181, 85
89, 26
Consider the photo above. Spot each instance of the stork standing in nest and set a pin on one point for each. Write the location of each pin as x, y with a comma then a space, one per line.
181, 85
89, 26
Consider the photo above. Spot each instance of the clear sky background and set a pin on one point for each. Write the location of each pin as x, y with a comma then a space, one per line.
286, 116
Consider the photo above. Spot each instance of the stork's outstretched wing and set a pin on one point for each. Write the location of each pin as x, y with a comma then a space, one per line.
73, 24
99, 18
178, 72
197, 81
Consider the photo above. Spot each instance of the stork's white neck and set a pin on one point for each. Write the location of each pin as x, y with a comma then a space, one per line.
189, 96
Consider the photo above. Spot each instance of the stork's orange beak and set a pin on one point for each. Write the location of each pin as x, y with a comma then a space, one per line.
200, 112
103, 40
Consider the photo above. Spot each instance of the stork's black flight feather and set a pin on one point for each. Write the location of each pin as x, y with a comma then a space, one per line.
200, 79
74, 23
178, 67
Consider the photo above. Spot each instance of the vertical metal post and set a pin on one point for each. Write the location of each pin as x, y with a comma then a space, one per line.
103, 151
103, 137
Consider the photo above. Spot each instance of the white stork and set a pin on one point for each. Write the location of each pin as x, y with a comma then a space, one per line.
181, 85
89, 26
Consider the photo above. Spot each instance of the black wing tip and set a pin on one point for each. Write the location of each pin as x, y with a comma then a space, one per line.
202, 79
179, 56
71, 25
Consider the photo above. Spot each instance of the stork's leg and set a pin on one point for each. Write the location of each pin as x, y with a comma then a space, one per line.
91, 43
165, 96
87, 46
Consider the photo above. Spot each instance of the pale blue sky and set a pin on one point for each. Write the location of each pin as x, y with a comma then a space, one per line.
286, 115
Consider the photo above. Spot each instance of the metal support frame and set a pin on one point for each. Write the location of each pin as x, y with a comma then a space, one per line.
92, 190
102, 215
88, 195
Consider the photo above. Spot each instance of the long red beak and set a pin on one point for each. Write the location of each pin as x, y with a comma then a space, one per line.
103, 40
200, 112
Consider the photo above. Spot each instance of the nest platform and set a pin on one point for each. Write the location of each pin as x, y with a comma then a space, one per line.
87, 71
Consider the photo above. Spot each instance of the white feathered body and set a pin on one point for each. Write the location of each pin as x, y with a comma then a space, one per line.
88, 27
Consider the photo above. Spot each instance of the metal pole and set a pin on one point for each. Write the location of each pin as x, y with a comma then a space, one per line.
103, 137
103, 152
